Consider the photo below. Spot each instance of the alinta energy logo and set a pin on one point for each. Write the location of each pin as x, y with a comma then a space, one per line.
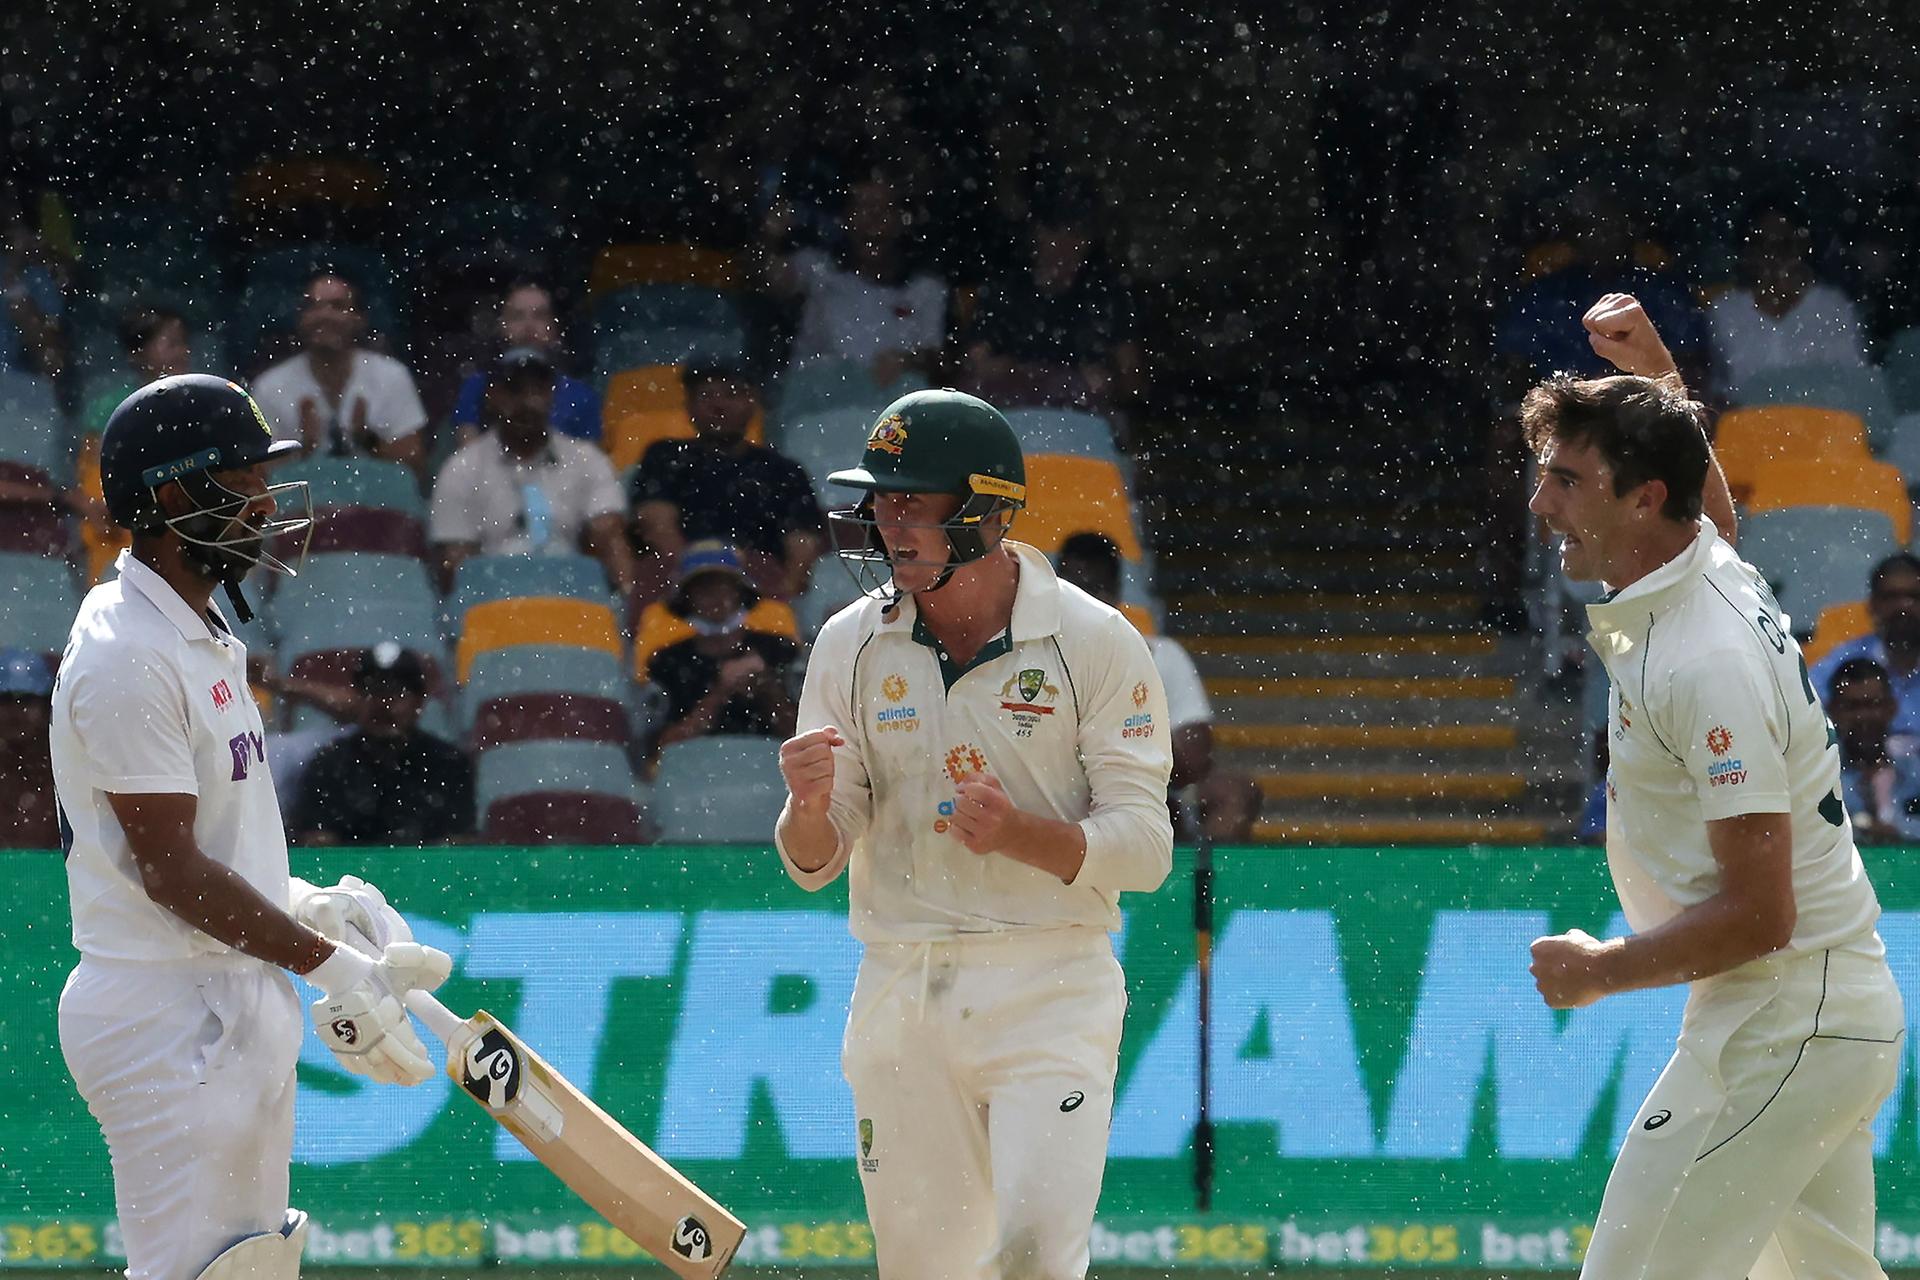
1723, 772
895, 719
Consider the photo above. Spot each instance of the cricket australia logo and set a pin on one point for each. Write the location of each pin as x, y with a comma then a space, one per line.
1037, 697
889, 435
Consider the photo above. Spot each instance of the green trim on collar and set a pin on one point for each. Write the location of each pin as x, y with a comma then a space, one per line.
951, 671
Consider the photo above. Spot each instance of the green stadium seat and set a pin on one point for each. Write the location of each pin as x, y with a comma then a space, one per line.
724, 789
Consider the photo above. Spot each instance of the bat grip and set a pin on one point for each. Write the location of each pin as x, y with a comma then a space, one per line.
440, 1020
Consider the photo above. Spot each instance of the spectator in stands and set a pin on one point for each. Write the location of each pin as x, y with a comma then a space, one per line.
726, 678
721, 486
868, 300
155, 343
389, 782
338, 396
1060, 331
527, 319
1783, 314
1540, 333
31, 337
1876, 786
1091, 562
1893, 601
29, 818
521, 489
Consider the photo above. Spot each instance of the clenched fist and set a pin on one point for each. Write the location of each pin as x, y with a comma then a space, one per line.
1566, 969
981, 811
1619, 331
806, 762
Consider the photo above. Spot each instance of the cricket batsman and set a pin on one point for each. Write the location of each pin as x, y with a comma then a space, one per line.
1732, 854
984, 750
179, 1026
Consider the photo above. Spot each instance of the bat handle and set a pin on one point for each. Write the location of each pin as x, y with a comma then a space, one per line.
440, 1020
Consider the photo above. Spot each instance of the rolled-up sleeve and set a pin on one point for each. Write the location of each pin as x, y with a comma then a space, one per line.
826, 698
1125, 740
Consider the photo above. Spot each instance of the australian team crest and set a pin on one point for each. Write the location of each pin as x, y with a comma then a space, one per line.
889, 435
1037, 698
1032, 681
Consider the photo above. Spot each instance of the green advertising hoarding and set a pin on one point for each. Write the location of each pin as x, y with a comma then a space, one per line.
1386, 1085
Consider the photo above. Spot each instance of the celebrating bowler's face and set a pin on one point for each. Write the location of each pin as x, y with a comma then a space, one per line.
909, 524
1576, 499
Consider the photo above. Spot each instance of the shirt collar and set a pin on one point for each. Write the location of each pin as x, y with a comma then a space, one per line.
1036, 600
1661, 588
140, 577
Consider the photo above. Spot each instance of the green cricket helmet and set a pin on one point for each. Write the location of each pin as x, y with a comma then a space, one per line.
933, 442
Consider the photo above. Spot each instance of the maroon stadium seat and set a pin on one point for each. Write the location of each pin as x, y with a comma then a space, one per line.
34, 531
563, 817
518, 717
368, 529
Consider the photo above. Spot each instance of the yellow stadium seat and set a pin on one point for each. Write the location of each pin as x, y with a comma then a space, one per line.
1140, 617
620, 265
543, 620
1752, 437
1864, 484
648, 404
1068, 495
661, 626
1838, 624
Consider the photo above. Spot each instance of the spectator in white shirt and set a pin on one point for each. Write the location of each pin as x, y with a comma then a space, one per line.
337, 396
867, 301
524, 489
1785, 315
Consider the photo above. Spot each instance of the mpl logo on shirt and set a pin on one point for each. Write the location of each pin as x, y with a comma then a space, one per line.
248, 750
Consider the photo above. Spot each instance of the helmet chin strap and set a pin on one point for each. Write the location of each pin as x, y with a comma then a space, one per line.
220, 569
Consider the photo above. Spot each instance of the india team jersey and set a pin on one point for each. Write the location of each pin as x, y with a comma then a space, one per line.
1065, 709
1712, 716
153, 699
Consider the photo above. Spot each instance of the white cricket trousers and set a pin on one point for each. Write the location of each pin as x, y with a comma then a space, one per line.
1755, 1140
188, 1066
982, 1074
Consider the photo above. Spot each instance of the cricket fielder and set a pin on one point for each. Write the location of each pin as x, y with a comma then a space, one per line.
984, 749
178, 1025
1732, 855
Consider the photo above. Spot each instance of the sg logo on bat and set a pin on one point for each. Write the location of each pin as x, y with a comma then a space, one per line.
492, 1070
691, 1239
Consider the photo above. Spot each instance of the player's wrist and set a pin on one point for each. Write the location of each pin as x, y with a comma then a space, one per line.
343, 970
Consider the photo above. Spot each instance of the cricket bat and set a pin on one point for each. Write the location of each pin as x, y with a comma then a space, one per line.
613, 1171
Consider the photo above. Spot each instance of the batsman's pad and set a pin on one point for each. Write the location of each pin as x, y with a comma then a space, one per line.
272, 1255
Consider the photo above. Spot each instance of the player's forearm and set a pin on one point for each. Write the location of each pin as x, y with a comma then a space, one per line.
221, 904
1717, 500
806, 834
1712, 937
1055, 847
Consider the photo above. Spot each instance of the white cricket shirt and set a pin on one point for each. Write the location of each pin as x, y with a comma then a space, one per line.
152, 699
1065, 708
1712, 716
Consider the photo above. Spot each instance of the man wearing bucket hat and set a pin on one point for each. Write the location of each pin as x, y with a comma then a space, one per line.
984, 749
727, 674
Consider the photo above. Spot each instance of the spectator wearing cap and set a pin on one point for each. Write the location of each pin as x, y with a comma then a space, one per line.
29, 818
337, 396
866, 299
1059, 331
1878, 788
1893, 602
527, 319
155, 342
522, 489
389, 781
727, 677
721, 486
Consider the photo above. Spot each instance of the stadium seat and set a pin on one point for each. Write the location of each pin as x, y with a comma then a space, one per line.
724, 789
1084, 435
661, 626
32, 433
1068, 495
826, 441
620, 266
820, 385
1752, 437
334, 580
632, 348
532, 669
649, 404
40, 602
535, 620
665, 306
1860, 390
831, 590
357, 482
530, 717
1141, 617
1816, 556
1901, 365
35, 531
1869, 485
366, 529
566, 791
484, 579
1838, 624
1903, 448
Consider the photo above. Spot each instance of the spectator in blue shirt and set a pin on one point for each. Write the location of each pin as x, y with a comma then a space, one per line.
1893, 600
1881, 791
527, 320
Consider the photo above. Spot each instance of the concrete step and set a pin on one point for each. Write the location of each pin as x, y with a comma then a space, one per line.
1257, 621
1365, 737
1377, 788
1509, 658
1372, 604
1382, 688
1409, 831
1476, 644
1231, 709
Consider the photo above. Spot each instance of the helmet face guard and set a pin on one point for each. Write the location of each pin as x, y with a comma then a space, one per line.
968, 532
216, 540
